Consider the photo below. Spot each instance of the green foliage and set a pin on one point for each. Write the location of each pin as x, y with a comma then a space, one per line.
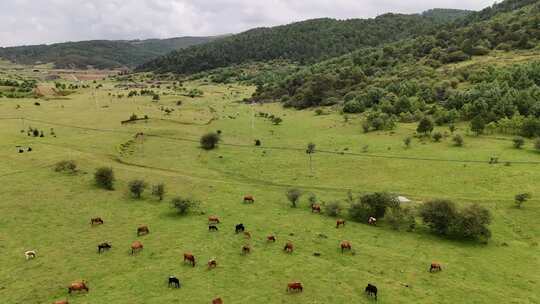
210, 141
407, 141
537, 144
293, 195
104, 178
374, 204
183, 205
439, 215
471, 223
425, 126
136, 187
332, 208
401, 218
458, 140
518, 142
521, 198
478, 125
67, 166
437, 136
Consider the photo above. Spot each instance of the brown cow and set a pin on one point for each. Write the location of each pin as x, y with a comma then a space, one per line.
96, 221
213, 219
271, 238
61, 302
249, 199
295, 286
340, 222
190, 258
247, 235
142, 230
246, 249
435, 267
345, 245
289, 247
78, 286
212, 263
136, 247
217, 301
316, 208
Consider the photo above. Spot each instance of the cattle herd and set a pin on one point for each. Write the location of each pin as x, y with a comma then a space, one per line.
189, 258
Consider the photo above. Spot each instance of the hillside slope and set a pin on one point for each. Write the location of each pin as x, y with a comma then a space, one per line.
305, 42
101, 54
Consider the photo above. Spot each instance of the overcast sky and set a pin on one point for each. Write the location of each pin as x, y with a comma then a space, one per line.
24, 22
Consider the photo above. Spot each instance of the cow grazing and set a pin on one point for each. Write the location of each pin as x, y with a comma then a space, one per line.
190, 258
371, 290
213, 219
212, 228
174, 282
240, 228
372, 221
143, 230
30, 254
217, 301
435, 267
246, 249
96, 221
61, 302
136, 247
212, 263
295, 286
271, 238
78, 286
340, 222
103, 247
249, 199
316, 208
289, 247
345, 245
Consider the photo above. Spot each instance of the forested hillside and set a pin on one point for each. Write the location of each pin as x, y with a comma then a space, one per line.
303, 42
101, 54
453, 74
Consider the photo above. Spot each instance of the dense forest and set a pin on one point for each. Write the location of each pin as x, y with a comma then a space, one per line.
303, 42
100, 54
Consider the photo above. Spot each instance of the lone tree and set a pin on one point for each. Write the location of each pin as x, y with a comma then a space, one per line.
183, 205
518, 142
458, 140
425, 126
478, 125
439, 215
104, 178
159, 191
210, 141
521, 198
136, 188
293, 195
310, 150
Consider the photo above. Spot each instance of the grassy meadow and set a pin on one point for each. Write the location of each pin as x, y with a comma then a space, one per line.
50, 212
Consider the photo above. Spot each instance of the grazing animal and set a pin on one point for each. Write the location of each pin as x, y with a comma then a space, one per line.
271, 238
295, 286
30, 254
103, 247
174, 281
340, 222
217, 301
213, 219
246, 249
143, 230
435, 267
212, 263
249, 199
316, 208
136, 247
212, 228
345, 245
61, 302
247, 235
372, 221
96, 221
240, 228
78, 286
371, 290
289, 247
190, 258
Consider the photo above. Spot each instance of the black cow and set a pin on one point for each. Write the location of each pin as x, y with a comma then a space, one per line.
103, 247
240, 228
371, 290
212, 228
174, 282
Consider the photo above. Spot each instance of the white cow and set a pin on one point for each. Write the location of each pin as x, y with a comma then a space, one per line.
30, 254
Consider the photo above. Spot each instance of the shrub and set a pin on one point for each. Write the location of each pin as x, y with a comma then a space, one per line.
374, 204
537, 144
353, 106
159, 191
312, 199
332, 208
407, 141
439, 215
521, 198
183, 205
478, 125
277, 120
400, 218
425, 126
458, 140
437, 136
104, 178
136, 188
68, 166
210, 141
293, 195
471, 223
518, 142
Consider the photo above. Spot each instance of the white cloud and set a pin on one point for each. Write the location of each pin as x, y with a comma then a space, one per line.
46, 21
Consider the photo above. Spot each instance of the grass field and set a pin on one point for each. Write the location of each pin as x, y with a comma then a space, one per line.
50, 211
